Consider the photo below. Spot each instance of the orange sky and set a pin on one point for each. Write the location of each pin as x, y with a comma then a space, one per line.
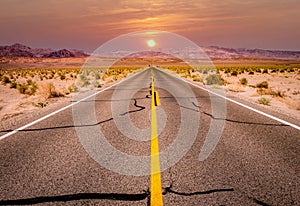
86, 24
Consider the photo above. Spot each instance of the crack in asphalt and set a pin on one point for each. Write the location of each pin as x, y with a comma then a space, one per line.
88, 125
115, 196
78, 196
74, 126
137, 110
259, 202
187, 108
59, 127
234, 121
169, 190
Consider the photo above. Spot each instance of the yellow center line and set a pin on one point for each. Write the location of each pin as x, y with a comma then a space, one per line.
155, 183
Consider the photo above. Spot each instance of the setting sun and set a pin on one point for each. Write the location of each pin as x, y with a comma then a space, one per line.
151, 43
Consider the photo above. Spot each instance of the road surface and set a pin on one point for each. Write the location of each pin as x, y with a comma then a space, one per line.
256, 161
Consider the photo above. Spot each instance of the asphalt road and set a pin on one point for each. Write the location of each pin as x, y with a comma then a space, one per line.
255, 162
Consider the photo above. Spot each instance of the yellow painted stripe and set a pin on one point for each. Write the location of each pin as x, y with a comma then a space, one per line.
155, 183
157, 101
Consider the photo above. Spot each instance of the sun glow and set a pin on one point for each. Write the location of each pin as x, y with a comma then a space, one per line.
151, 43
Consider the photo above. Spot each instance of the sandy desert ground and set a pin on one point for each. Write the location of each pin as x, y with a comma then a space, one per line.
49, 87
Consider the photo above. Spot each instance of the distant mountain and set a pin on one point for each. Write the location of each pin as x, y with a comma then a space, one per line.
220, 52
79, 53
211, 51
16, 50
20, 50
63, 53
38, 52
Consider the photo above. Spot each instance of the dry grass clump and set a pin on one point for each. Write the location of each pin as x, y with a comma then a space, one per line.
197, 79
29, 87
244, 81
214, 79
263, 84
270, 91
5, 80
264, 101
72, 88
48, 90
40, 104
263, 89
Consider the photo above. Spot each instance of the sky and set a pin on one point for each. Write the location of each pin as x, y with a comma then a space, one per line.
87, 24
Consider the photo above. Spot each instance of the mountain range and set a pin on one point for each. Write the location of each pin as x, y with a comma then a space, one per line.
20, 50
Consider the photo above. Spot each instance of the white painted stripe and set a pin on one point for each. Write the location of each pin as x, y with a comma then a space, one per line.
238, 103
62, 109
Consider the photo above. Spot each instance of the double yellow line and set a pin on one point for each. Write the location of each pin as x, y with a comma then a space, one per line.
155, 183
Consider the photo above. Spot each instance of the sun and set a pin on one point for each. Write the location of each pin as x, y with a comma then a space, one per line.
151, 43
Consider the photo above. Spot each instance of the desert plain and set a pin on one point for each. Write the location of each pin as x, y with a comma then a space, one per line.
31, 86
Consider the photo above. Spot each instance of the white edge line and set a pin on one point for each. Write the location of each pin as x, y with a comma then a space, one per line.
64, 108
238, 103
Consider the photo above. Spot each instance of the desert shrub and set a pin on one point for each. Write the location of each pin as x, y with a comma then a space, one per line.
22, 88
96, 84
197, 79
214, 79
48, 90
244, 81
273, 71
115, 78
97, 76
54, 92
262, 91
227, 71
13, 85
263, 84
5, 80
32, 87
264, 101
258, 70
62, 76
71, 88
40, 104
282, 71
277, 93
291, 70
29, 87
265, 71
234, 73
84, 81
83, 77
